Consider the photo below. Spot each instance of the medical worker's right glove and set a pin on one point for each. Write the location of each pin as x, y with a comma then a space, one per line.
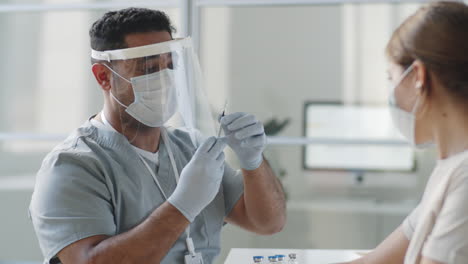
200, 179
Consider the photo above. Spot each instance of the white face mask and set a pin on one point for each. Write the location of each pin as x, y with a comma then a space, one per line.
403, 120
155, 97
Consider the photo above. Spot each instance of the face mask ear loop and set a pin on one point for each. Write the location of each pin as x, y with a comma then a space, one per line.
404, 75
392, 98
107, 66
112, 95
117, 100
122, 127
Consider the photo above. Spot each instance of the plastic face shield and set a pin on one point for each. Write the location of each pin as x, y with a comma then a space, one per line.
164, 85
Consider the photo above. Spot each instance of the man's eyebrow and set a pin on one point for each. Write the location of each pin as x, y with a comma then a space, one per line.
152, 57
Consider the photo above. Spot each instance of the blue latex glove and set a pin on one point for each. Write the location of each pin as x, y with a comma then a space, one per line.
246, 136
200, 179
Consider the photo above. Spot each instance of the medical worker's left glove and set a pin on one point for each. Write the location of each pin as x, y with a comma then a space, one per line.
246, 136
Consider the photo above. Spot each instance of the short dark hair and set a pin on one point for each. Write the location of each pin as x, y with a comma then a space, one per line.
108, 32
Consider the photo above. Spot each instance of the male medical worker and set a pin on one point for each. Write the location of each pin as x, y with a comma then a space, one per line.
140, 182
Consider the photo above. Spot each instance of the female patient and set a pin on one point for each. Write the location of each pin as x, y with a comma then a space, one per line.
428, 68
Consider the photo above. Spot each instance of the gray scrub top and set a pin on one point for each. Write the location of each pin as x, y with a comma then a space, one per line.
94, 183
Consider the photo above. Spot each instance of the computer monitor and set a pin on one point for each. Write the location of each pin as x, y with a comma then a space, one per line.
334, 121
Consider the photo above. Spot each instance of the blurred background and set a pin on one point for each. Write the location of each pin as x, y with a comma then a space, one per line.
313, 71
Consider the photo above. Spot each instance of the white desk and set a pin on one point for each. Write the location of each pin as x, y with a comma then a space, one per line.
318, 256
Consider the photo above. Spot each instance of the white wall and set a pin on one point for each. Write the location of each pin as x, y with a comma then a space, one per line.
17, 238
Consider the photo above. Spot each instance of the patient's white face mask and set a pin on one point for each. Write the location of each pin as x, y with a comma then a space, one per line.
403, 120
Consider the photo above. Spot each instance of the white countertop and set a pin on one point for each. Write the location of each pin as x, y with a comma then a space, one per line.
304, 256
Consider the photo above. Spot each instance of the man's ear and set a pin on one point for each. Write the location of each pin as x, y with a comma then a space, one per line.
102, 75
421, 77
